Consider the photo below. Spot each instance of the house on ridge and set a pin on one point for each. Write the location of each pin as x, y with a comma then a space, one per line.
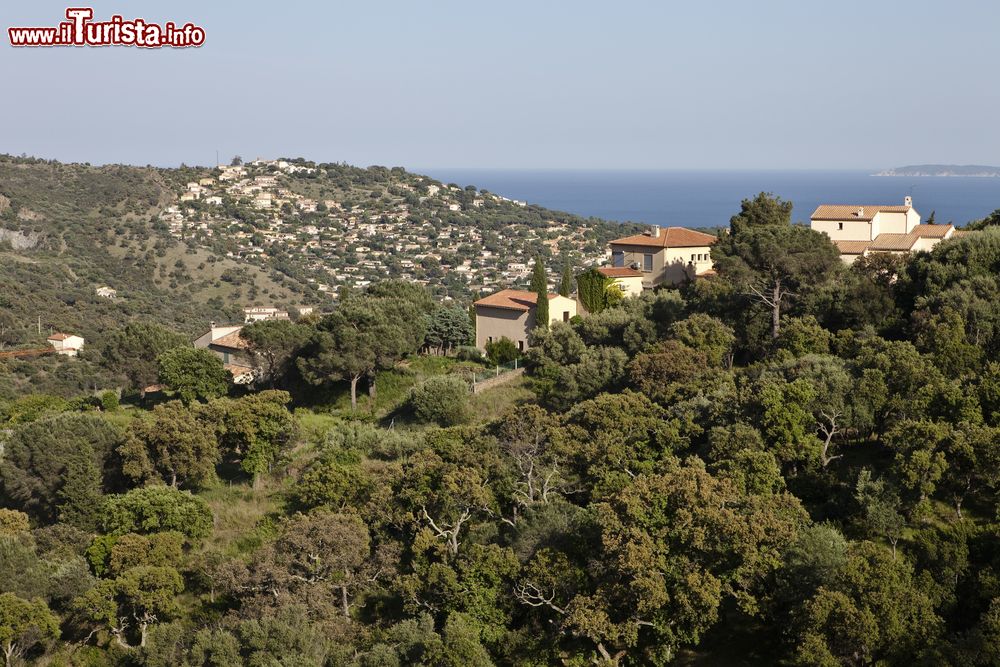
511, 313
225, 343
668, 256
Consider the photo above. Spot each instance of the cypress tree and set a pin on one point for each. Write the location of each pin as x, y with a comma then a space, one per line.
539, 277
542, 309
566, 284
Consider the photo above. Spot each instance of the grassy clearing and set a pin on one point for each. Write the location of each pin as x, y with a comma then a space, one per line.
244, 517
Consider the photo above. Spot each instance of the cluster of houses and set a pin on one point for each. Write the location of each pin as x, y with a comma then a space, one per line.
657, 257
353, 243
675, 255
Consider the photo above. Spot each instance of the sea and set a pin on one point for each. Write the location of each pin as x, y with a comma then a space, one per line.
710, 198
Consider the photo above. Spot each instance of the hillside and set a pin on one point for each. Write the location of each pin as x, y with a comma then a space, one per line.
967, 170
68, 229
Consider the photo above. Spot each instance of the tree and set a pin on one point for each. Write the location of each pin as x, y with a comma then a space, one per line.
154, 509
194, 374
772, 260
272, 345
253, 429
542, 309
173, 445
54, 469
539, 277
764, 210
132, 351
139, 598
13, 522
324, 548
363, 335
24, 624
449, 327
566, 282
707, 335
441, 400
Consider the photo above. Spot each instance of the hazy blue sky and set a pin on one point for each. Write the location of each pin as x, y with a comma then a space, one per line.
623, 84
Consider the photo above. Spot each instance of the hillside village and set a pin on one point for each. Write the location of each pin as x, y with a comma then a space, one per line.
315, 222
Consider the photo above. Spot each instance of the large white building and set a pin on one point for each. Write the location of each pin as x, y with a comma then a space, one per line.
860, 230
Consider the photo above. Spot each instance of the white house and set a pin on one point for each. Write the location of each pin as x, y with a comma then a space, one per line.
664, 256
66, 344
860, 230
106, 292
259, 314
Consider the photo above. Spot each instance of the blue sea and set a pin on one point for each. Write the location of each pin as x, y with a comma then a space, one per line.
709, 198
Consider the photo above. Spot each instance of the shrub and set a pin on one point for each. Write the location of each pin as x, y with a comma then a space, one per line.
109, 401
441, 400
155, 509
13, 522
502, 351
468, 353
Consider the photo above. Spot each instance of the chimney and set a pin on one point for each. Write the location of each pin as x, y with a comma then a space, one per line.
907, 201
861, 212
654, 231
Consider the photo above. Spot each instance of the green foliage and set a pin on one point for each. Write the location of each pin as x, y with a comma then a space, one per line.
592, 290
252, 430
449, 328
53, 469
13, 522
193, 374
155, 509
172, 446
502, 351
441, 400
23, 624
273, 344
132, 351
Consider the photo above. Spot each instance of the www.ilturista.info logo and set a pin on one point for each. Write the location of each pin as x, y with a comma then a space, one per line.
80, 30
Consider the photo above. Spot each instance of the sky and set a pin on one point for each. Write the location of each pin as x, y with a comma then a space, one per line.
629, 84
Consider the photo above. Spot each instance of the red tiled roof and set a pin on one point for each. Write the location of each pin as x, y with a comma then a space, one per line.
511, 299
671, 237
932, 231
620, 272
58, 336
893, 242
232, 340
852, 247
848, 212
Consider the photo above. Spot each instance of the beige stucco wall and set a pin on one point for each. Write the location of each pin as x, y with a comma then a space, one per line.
670, 265
631, 286
495, 323
924, 243
892, 223
854, 230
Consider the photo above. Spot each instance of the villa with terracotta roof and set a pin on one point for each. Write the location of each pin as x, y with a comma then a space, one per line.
225, 343
859, 230
511, 314
668, 256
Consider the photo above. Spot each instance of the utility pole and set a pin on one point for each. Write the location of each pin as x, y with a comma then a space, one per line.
39, 325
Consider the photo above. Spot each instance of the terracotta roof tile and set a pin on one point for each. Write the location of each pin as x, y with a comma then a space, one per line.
848, 212
58, 336
511, 299
620, 272
671, 237
933, 231
852, 247
232, 340
891, 242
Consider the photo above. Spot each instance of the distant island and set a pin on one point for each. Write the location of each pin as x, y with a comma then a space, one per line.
976, 170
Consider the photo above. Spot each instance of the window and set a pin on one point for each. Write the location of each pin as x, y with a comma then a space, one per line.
647, 263
489, 339
520, 345
617, 258
840, 226
565, 316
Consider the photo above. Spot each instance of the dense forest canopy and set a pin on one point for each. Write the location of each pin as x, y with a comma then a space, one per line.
790, 462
